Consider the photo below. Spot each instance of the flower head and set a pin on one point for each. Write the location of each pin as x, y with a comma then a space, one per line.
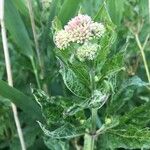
97, 29
79, 28
87, 51
62, 39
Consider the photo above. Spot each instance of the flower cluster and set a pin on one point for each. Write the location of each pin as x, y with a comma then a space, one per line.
61, 39
79, 30
87, 51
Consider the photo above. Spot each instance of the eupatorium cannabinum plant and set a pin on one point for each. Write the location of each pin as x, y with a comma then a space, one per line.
89, 70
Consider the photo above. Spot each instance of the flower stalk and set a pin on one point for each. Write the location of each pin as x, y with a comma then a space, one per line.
90, 139
93, 110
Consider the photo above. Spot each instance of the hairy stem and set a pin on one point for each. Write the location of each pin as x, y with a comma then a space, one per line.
90, 139
9, 74
93, 131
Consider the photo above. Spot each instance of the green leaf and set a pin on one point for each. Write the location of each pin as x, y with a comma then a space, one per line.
30, 133
55, 144
68, 10
21, 6
124, 94
128, 138
62, 126
17, 30
115, 13
138, 116
113, 64
103, 14
49, 107
97, 100
73, 83
22, 101
66, 131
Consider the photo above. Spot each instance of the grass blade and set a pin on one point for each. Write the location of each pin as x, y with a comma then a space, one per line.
22, 101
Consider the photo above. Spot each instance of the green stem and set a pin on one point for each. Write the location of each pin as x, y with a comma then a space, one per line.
143, 56
149, 9
93, 110
35, 72
39, 56
90, 141
93, 130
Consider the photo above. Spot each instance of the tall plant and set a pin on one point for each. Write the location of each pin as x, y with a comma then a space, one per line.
88, 69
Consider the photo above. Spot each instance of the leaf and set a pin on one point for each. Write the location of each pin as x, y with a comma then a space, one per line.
22, 101
97, 100
124, 94
103, 14
106, 43
49, 107
1, 70
30, 133
47, 31
68, 10
17, 30
113, 65
138, 116
62, 126
66, 131
128, 138
73, 83
115, 13
55, 144
21, 6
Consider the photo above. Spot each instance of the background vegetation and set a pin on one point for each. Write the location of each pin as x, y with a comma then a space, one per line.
35, 66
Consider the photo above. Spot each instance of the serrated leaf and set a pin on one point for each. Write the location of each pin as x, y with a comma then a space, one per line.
128, 138
124, 94
55, 144
62, 126
113, 65
51, 105
97, 100
103, 14
66, 131
73, 83
138, 116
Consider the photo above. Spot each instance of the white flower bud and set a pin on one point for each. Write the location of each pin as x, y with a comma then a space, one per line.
62, 39
88, 51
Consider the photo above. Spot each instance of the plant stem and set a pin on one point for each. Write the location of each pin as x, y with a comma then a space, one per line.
93, 130
35, 72
149, 9
143, 56
9, 74
93, 110
41, 64
34, 31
